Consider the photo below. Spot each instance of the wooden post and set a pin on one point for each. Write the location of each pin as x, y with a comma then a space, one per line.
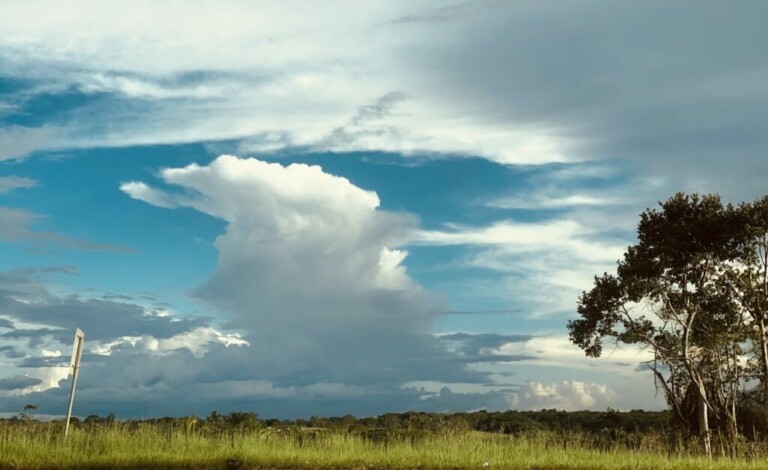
74, 364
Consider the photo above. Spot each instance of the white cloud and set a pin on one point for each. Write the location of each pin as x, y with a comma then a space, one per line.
543, 266
543, 201
309, 268
567, 395
10, 183
305, 78
17, 142
109, 347
530, 236
197, 341
141, 88
141, 191
7, 108
15, 223
392, 274
544, 359
50, 377
490, 79
36, 380
558, 351
300, 346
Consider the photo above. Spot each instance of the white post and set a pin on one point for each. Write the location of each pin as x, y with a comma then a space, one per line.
74, 364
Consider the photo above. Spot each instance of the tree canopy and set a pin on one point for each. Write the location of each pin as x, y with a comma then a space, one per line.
693, 291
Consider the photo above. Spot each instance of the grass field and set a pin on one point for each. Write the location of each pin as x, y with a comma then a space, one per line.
119, 446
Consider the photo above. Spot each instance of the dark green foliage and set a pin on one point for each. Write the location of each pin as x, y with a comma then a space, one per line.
694, 291
405, 424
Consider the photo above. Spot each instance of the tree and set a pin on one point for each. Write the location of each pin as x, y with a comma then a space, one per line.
669, 296
25, 415
747, 276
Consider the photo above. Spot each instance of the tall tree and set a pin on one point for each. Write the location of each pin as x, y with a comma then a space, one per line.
668, 296
747, 276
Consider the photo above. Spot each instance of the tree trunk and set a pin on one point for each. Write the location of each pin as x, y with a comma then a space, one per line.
704, 423
764, 378
734, 434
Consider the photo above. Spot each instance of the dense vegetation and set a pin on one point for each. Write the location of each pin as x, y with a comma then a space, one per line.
506, 422
512, 439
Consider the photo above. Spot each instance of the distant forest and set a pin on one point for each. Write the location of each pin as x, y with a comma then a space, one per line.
506, 422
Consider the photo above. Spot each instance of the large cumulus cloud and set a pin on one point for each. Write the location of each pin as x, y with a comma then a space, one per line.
319, 313
311, 269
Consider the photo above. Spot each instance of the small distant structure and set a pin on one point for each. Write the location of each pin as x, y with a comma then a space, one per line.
74, 367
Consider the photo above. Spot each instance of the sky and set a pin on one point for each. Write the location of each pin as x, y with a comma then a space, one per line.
304, 208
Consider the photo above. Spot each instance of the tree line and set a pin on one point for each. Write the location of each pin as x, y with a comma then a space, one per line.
693, 292
414, 422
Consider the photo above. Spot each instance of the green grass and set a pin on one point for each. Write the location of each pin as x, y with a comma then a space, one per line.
41, 446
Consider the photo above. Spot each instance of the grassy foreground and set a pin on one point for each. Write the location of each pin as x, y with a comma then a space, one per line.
150, 446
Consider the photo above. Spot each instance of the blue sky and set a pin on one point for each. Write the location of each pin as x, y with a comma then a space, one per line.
282, 209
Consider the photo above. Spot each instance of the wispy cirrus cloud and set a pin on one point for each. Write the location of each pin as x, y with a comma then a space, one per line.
17, 225
448, 12
492, 79
540, 266
17, 142
11, 183
304, 87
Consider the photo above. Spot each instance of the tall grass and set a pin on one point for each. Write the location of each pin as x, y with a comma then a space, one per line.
40, 445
